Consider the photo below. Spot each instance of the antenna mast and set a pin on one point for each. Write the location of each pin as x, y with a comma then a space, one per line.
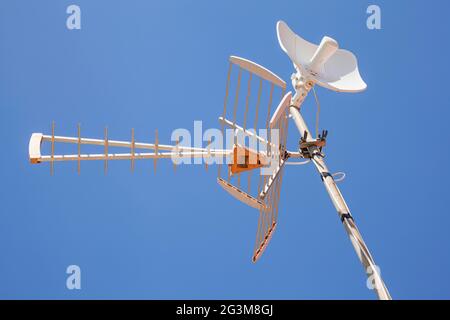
336, 196
309, 71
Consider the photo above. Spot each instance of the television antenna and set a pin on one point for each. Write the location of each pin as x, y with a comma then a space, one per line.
325, 65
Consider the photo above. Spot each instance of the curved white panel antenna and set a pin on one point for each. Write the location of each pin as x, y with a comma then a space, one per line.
325, 64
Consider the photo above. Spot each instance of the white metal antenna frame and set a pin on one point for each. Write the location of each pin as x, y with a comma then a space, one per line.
325, 65
346, 78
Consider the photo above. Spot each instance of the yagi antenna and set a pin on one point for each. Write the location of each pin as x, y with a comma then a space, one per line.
250, 103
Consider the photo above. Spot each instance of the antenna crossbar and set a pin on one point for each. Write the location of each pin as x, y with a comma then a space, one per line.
115, 143
131, 156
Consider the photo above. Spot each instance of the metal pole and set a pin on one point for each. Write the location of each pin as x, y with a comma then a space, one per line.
358, 243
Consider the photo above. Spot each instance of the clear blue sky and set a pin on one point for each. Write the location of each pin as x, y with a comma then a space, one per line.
162, 64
